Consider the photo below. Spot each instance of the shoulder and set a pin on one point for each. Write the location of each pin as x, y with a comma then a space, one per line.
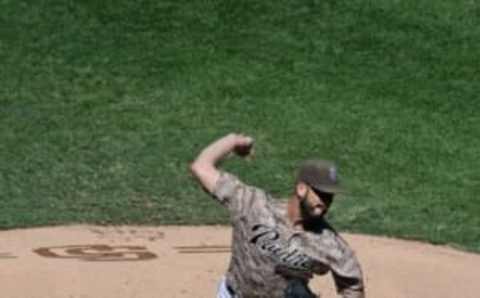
241, 197
228, 183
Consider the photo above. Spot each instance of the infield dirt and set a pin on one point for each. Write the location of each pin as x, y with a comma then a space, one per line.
187, 262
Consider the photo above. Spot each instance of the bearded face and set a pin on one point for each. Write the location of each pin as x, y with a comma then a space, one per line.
315, 203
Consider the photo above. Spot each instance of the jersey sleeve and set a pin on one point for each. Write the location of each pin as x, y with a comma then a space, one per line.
335, 254
347, 275
237, 196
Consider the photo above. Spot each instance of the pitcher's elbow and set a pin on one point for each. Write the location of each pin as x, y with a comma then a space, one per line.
193, 167
196, 168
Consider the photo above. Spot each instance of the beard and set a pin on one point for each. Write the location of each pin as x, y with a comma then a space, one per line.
310, 212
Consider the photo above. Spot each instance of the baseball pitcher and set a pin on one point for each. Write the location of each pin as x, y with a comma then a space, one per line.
276, 250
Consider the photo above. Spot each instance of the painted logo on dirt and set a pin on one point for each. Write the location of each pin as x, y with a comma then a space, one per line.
6, 255
203, 249
97, 253
267, 240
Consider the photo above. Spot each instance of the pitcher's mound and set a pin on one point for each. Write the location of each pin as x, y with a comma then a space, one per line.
187, 262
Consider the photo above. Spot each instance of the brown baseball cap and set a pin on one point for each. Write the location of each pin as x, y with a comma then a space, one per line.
320, 175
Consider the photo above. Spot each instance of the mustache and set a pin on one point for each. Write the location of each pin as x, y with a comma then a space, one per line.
307, 210
305, 207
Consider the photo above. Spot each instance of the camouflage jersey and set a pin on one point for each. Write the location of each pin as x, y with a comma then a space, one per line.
270, 258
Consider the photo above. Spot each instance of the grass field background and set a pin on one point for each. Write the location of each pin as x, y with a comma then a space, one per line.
103, 104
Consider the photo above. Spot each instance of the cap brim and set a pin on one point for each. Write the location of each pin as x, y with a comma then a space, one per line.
333, 189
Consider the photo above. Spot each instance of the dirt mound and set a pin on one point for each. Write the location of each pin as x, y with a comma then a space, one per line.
127, 262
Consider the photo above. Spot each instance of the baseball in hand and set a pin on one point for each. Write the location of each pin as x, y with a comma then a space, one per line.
244, 146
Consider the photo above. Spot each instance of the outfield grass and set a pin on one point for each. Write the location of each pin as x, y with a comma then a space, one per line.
104, 103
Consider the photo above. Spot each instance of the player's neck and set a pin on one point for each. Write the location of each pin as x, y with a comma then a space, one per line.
294, 213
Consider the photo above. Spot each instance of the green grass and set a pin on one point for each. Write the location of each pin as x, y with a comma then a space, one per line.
104, 104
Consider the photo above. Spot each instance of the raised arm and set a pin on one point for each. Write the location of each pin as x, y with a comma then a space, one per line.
204, 167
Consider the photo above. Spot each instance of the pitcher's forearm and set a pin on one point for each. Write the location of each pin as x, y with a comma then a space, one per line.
216, 151
204, 166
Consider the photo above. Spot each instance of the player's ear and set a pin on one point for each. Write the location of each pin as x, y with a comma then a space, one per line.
301, 190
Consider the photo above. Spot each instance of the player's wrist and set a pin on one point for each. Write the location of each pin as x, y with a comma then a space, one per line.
236, 139
230, 141
239, 144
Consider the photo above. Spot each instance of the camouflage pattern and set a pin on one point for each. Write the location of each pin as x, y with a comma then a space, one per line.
270, 258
